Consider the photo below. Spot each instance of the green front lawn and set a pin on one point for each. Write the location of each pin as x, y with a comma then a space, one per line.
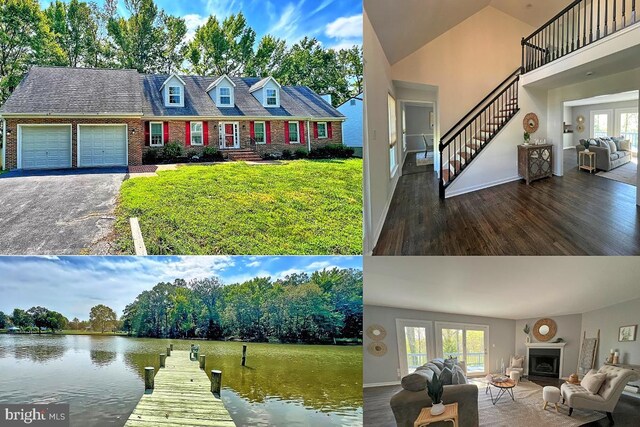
296, 208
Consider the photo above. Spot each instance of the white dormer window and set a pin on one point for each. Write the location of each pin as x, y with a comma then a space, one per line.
272, 97
225, 96
175, 95
173, 91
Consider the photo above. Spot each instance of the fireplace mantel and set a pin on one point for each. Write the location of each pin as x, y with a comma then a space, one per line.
546, 345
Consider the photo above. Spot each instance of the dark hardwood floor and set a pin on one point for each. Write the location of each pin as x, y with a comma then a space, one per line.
377, 412
577, 214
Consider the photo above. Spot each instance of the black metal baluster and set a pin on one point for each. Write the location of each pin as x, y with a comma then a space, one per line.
614, 17
584, 27
633, 11
624, 19
573, 27
606, 17
591, 24
566, 35
598, 24
578, 32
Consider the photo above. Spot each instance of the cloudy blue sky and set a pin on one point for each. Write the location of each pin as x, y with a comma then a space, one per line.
72, 285
335, 23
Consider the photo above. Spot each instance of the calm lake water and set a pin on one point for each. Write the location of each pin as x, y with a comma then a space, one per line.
102, 378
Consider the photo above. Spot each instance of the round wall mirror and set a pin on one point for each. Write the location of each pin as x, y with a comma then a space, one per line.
545, 329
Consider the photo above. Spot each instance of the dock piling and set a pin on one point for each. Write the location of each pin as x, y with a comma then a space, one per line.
149, 373
163, 358
244, 354
171, 347
216, 381
202, 361
168, 351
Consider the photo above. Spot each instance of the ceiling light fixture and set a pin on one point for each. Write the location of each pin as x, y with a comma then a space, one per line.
589, 73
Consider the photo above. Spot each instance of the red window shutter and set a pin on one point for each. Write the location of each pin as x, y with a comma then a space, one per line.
302, 138
315, 130
147, 134
252, 131
205, 133
268, 126
187, 134
329, 130
286, 132
166, 132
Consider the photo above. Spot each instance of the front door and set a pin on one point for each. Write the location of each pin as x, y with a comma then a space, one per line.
229, 136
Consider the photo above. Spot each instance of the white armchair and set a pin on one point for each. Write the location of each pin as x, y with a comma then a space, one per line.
606, 399
516, 365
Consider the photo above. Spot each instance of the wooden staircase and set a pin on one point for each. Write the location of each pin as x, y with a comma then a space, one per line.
467, 138
243, 155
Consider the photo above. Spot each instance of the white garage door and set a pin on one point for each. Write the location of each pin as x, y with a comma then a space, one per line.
45, 147
102, 145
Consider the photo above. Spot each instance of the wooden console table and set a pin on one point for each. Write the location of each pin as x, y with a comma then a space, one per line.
535, 161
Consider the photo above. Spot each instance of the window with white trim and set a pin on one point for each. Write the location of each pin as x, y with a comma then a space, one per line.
225, 96
259, 133
294, 133
322, 130
393, 135
272, 97
156, 134
175, 95
196, 133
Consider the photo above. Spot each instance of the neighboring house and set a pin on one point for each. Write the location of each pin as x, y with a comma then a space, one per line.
352, 128
72, 117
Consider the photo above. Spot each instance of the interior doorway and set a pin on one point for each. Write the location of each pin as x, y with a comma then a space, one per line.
418, 123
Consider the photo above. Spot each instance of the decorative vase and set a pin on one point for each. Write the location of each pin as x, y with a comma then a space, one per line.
437, 408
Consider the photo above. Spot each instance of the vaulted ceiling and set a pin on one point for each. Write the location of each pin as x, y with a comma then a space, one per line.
404, 26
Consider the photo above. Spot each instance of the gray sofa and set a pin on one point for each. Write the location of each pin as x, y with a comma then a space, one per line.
408, 402
611, 152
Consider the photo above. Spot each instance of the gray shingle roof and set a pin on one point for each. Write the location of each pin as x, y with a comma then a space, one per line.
59, 90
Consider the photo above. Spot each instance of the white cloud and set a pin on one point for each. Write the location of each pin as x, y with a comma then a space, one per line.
223, 8
345, 27
193, 21
318, 265
254, 264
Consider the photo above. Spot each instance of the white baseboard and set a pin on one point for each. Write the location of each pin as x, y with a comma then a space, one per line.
481, 186
381, 384
385, 211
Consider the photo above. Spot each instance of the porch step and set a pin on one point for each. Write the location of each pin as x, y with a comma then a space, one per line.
244, 155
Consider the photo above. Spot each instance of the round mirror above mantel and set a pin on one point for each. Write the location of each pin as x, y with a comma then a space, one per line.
545, 329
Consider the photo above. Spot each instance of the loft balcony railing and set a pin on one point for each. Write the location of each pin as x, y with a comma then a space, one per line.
578, 25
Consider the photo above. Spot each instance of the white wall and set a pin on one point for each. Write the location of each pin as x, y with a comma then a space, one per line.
378, 183
569, 328
352, 128
417, 118
384, 370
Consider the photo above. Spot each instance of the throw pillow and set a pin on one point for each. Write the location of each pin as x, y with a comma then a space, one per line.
458, 376
625, 145
593, 142
447, 376
451, 362
593, 381
438, 362
416, 381
516, 362
434, 368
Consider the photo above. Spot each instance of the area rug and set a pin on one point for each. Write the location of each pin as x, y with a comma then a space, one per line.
527, 409
627, 173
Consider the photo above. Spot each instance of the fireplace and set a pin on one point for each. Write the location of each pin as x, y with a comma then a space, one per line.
544, 362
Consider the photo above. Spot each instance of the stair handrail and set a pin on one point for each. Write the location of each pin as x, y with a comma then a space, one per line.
552, 20
478, 105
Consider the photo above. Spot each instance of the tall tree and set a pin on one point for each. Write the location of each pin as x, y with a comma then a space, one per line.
39, 316
137, 39
267, 58
222, 48
353, 70
21, 319
74, 30
102, 318
4, 320
173, 45
25, 39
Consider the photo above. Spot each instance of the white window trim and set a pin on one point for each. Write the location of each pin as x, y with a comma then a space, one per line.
393, 133
266, 98
181, 95
298, 133
201, 133
326, 130
151, 144
222, 104
465, 326
264, 133
402, 352
610, 121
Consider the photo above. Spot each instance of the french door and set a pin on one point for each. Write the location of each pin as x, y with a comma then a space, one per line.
415, 344
229, 136
469, 343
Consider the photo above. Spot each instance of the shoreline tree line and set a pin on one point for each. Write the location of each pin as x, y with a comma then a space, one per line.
149, 40
323, 307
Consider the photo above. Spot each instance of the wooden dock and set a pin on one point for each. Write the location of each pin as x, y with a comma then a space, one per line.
181, 397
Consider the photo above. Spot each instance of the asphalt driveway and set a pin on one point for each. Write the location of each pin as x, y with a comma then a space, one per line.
68, 212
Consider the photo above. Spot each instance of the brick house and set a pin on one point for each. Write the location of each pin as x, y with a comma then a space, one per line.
71, 117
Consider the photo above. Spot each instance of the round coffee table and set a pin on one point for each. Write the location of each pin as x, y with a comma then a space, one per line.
504, 387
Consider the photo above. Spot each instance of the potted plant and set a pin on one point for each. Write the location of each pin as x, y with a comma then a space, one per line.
435, 391
526, 331
527, 137
585, 144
